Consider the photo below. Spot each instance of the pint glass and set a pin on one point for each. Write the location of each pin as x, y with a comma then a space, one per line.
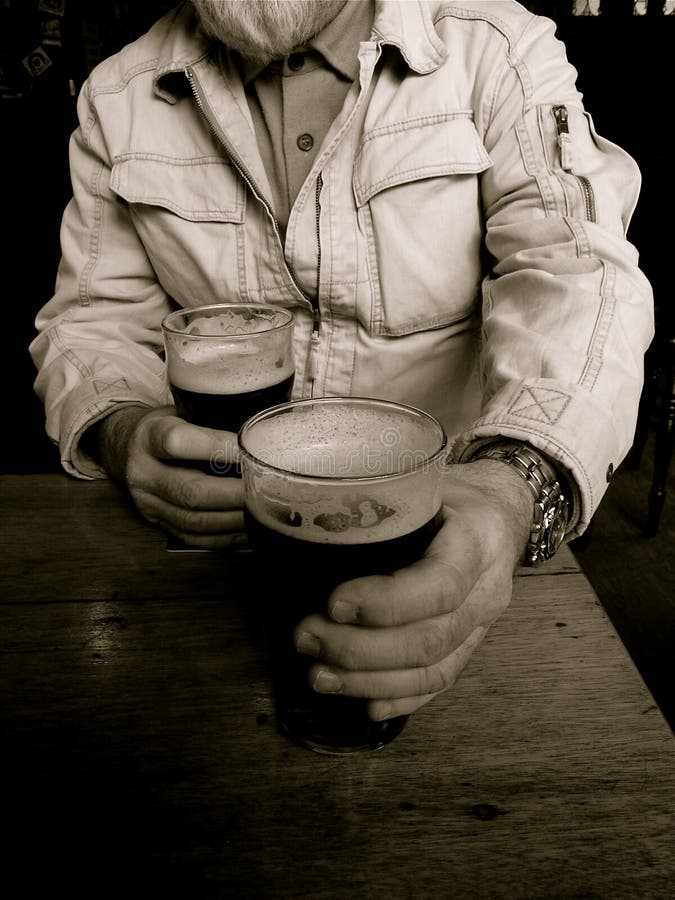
335, 489
228, 361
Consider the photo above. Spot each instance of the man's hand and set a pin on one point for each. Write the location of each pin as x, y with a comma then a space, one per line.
401, 639
154, 453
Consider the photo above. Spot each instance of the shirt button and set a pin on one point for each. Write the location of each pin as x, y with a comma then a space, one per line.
610, 472
305, 142
296, 61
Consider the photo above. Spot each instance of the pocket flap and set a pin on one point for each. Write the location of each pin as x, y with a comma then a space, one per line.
424, 147
207, 189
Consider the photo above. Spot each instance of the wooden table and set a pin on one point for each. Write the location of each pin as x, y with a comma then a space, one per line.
140, 756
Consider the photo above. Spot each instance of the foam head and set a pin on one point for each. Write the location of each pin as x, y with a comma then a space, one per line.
228, 348
342, 470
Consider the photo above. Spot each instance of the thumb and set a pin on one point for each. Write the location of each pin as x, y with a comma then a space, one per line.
170, 437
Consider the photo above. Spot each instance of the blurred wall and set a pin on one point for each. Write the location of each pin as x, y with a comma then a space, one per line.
47, 48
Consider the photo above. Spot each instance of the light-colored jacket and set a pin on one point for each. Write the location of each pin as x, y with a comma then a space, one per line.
459, 243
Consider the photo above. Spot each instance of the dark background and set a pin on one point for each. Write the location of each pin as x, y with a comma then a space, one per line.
37, 116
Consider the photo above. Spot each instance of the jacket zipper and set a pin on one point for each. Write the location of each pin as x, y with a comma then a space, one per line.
312, 358
561, 116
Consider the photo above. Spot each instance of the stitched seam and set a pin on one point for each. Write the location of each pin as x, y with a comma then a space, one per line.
95, 239
138, 69
349, 282
478, 16
241, 260
525, 81
529, 160
373, 270
197, 214
417, 173
539, 405
286, 287
412, 326
175, 160
419, 122
88, 127
580, 237
491, 107
55, 337
601, 331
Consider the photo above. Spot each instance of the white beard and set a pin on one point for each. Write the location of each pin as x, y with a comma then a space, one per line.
263, 30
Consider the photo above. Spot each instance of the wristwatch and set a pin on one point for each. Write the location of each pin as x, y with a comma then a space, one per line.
551, 506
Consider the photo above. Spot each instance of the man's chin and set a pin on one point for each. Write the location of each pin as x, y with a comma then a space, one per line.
266, 30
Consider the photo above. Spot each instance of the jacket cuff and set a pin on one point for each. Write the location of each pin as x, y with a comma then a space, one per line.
566, 426
87, 404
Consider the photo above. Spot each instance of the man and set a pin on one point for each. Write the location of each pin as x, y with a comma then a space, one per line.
377, 168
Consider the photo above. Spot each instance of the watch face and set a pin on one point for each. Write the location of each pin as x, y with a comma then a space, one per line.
554, 528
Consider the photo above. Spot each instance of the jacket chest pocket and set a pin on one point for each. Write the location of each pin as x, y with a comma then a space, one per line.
186, 212
418, 197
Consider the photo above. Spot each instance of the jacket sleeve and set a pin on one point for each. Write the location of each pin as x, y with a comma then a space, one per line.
99, 344
567, 314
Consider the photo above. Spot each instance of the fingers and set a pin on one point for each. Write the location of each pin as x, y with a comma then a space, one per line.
378, 710
161, 441
188, 488
172, 438
401, 691
436, 584
355, 647
209, 541
196, 528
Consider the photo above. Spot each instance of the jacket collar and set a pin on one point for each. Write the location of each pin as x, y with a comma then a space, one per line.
408, 25
405, 24
182, 45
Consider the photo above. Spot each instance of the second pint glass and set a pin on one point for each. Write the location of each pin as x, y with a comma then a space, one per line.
335, 489
227, 361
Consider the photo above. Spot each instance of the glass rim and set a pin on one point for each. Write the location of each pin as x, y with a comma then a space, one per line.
431, 459
167, 327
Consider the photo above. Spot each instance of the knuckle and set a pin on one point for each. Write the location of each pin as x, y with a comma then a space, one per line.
187, 495
435, 679
432, 642
348, 658
164, 436
189, 521
357, 593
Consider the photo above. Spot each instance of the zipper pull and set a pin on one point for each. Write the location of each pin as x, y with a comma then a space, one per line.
561, 116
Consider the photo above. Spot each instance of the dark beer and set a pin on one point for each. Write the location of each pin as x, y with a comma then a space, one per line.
227, 362
335, 489
228, 412
324, 722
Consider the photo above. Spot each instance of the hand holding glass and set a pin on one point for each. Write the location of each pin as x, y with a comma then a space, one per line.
335, 489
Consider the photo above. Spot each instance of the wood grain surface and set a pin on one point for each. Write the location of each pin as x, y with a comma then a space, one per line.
141, 759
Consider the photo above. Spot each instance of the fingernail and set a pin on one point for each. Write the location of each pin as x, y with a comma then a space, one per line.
343, 612
308, 643
327, 683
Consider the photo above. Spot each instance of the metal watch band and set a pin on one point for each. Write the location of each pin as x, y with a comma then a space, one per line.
551, 508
